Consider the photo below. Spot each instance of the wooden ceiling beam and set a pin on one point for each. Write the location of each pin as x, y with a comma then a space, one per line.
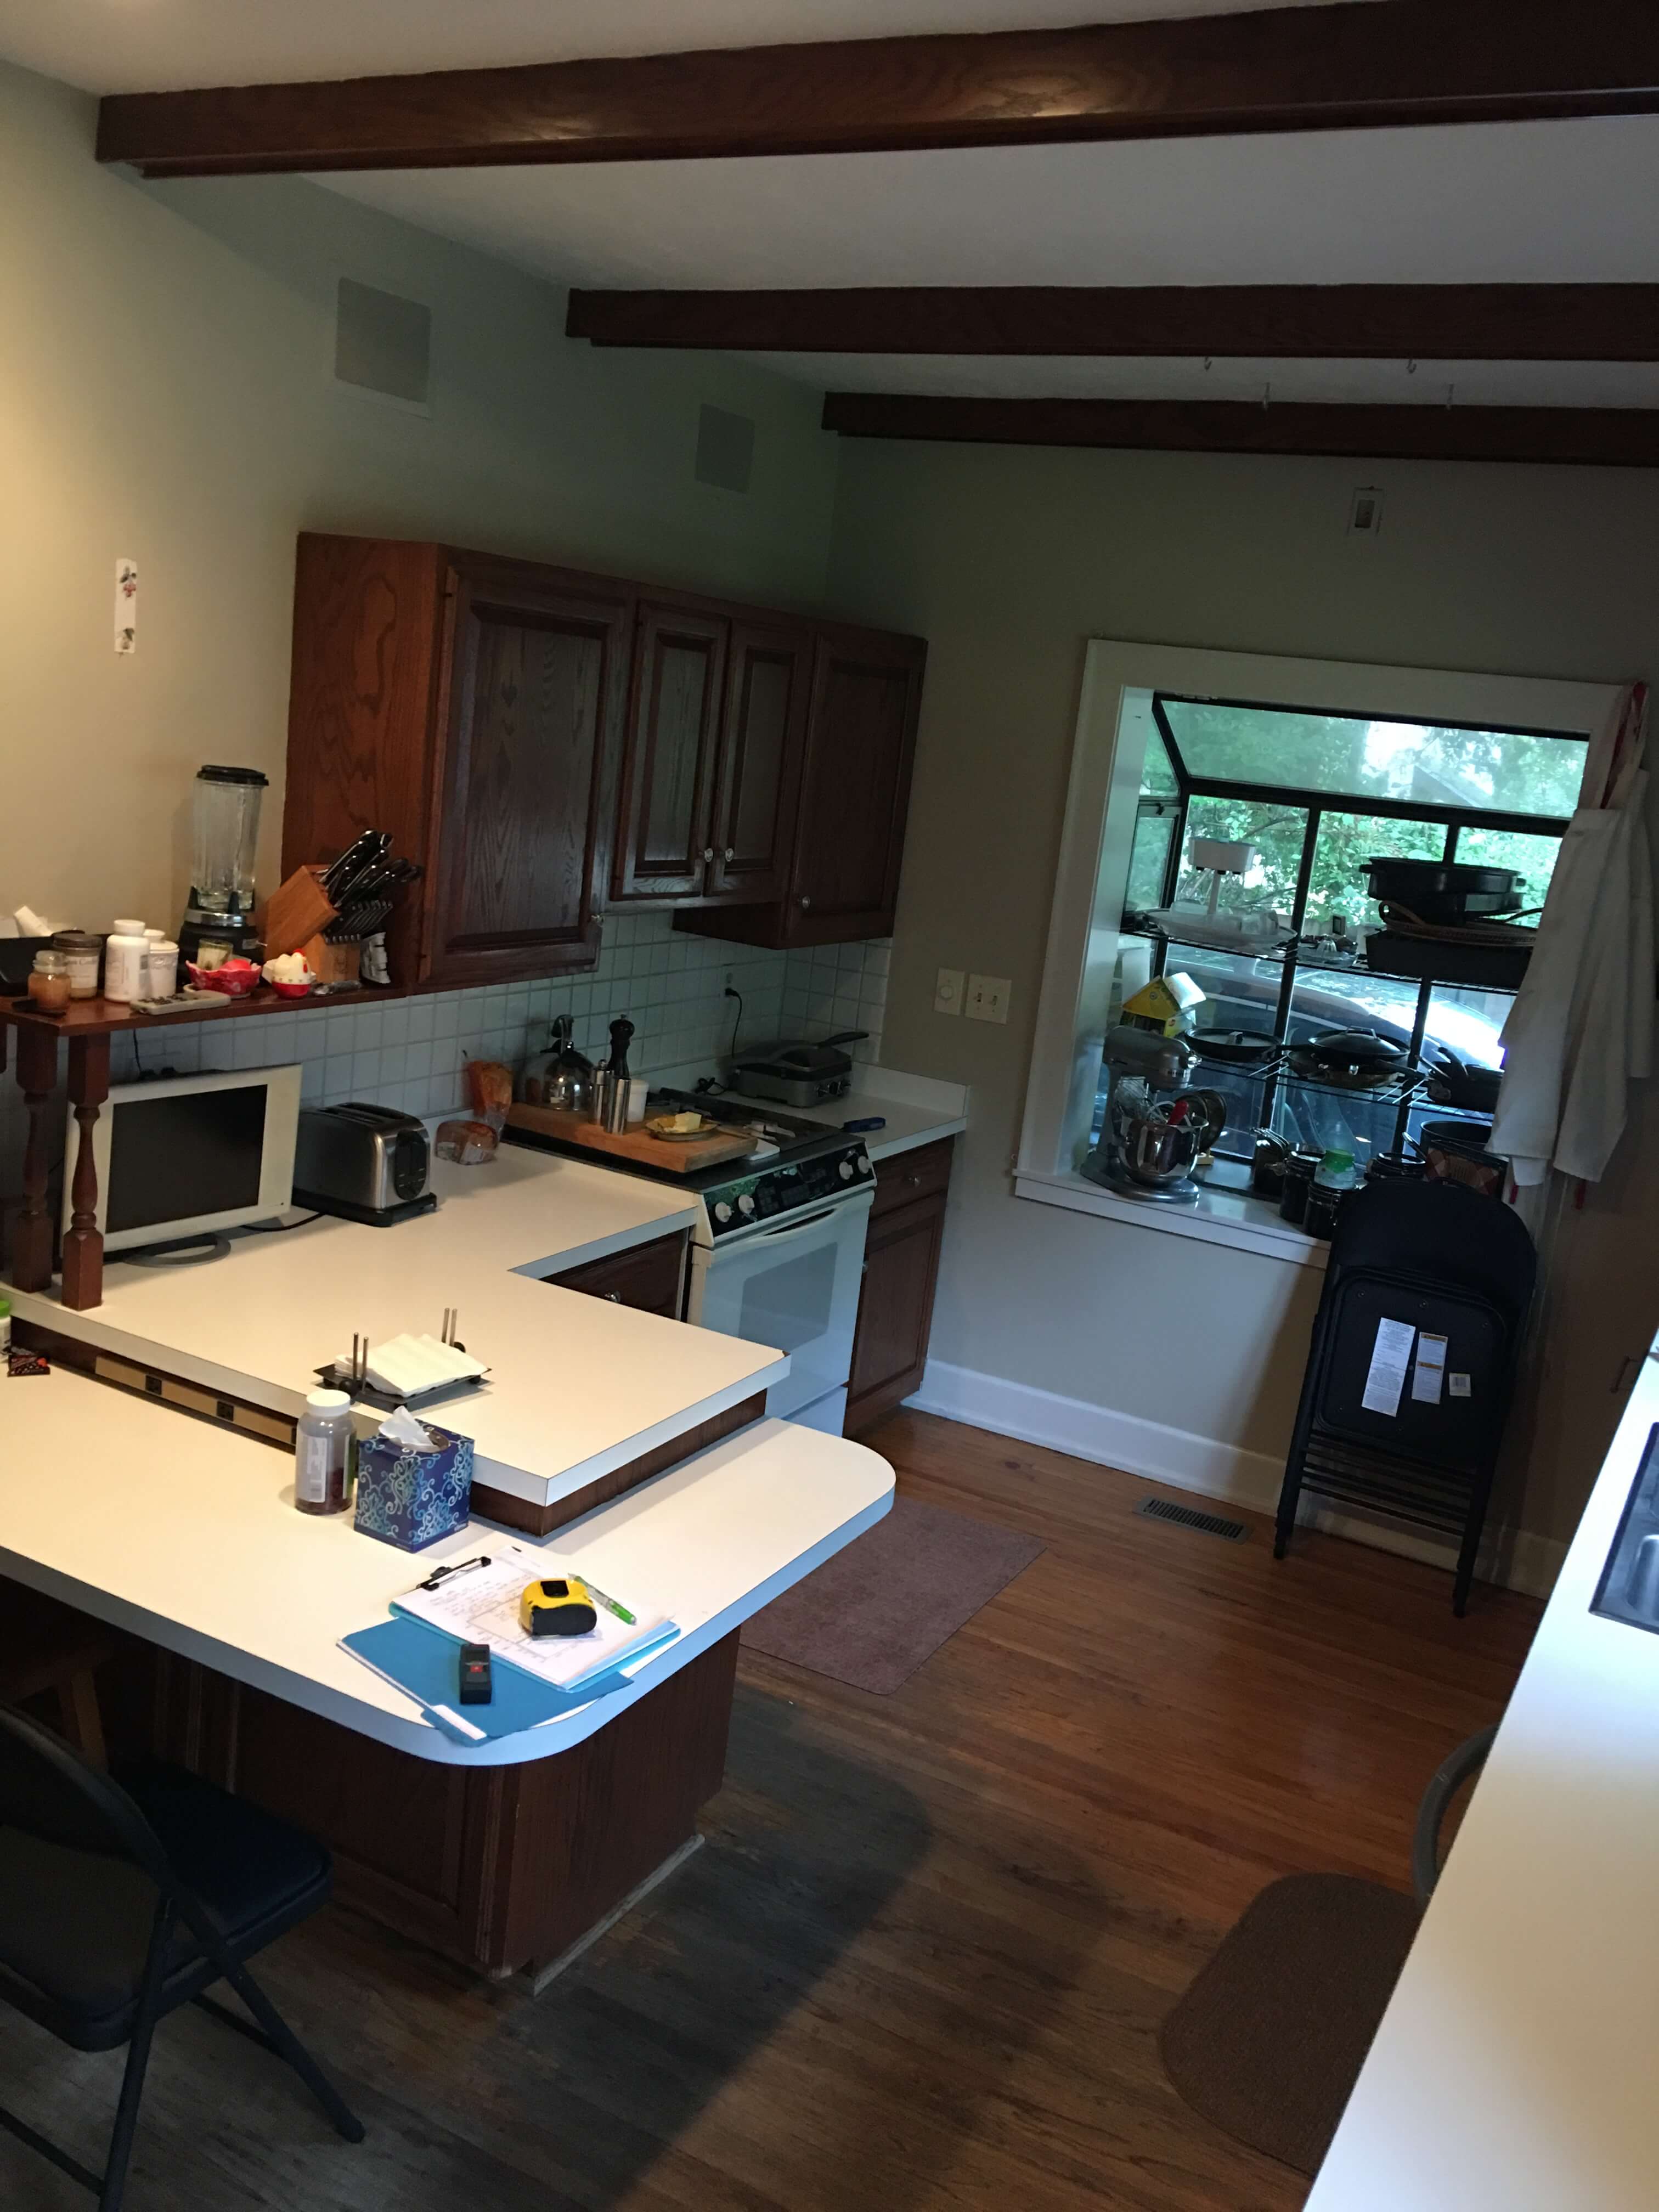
1283, 322
1616, 437
1354, 67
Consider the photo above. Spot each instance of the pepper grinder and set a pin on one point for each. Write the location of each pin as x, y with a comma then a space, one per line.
611, 1082
616, 1117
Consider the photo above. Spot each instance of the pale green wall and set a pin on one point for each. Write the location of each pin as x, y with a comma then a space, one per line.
167, 393
1007, 561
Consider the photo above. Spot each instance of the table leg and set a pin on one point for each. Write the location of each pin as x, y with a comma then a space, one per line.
37, 1077
83, 1241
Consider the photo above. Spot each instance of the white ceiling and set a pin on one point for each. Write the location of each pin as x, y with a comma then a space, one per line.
1566, 202
155, 46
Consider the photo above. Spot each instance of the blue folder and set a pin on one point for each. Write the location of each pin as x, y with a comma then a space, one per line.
425, 1661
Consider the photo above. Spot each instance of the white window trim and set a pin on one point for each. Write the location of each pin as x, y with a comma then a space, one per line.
1118, 681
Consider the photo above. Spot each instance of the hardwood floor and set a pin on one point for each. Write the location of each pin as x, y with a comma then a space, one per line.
921, 1960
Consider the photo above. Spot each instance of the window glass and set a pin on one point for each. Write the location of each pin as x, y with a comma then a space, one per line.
1147, 858
1346, 842
1157, 778
1276, 832
1534, 857
1489, 771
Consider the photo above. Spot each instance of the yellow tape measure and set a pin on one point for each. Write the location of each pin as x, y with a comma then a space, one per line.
562, 1608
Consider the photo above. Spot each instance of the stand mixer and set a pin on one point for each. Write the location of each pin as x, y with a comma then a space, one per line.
1156, 1127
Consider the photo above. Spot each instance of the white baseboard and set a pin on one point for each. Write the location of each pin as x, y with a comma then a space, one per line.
1517, 1560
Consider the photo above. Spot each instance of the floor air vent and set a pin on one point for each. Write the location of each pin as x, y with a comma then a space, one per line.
1188, 1516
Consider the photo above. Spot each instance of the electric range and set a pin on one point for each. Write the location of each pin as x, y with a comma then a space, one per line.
797, 1165
777, 1252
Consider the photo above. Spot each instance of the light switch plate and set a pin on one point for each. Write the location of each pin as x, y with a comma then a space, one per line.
987, 998
947, 992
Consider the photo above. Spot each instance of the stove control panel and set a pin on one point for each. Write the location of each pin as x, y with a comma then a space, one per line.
785, 1188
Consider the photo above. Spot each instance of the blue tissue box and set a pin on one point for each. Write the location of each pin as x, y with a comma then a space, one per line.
413, 1498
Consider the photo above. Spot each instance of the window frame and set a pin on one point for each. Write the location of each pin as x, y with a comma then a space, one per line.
1117, 708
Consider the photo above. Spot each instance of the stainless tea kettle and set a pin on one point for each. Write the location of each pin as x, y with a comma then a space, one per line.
560, 1076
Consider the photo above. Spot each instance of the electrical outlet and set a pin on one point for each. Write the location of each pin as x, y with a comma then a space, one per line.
987, 998
947, 992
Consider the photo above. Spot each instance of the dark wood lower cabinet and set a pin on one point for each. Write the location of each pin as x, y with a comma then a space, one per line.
502, 1868
901, 1272
649, 1277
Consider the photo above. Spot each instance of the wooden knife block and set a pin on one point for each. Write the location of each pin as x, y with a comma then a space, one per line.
296, 914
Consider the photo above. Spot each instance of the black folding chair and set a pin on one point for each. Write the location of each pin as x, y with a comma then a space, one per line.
117, 1906
1436, 1259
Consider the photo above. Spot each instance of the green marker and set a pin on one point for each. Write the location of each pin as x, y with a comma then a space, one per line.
611, 1604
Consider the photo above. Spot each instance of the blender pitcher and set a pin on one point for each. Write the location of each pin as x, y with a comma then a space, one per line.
219, 918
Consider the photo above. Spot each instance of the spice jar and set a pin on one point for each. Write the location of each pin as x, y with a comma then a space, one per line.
49, 982
161, 968
81, 953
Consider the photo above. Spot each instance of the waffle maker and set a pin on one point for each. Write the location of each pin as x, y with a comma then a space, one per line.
796, 1074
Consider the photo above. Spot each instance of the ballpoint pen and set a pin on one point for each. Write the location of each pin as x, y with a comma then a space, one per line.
459, 1568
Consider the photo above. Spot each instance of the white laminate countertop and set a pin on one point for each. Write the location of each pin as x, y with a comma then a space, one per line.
187, 1535
1516, 2068
578, 1386
918, 1109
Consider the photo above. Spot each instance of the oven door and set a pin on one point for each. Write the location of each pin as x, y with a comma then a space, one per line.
795, 1287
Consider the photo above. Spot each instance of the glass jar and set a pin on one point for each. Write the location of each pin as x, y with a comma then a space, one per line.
49, 982
82, 952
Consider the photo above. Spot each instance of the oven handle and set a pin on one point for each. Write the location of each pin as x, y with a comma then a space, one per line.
793, 1228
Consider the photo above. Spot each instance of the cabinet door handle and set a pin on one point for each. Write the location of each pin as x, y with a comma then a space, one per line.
805, 902
613, 1298
708, 851
731, 853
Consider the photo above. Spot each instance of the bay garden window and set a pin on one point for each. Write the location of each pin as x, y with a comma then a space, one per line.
1317, 768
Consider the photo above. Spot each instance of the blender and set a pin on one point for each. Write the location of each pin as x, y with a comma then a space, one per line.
219, 916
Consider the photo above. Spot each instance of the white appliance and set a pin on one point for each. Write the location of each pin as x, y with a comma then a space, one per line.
188, 1156
794, 1285
777, 1253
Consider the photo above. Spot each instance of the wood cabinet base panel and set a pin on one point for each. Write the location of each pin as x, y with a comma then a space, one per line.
503, 1867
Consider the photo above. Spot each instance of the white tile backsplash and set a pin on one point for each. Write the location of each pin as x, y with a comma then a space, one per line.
409, 1054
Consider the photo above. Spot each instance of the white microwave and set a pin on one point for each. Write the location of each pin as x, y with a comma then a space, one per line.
187, 1156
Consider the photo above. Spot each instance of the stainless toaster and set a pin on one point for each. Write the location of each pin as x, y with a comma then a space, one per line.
368, 1163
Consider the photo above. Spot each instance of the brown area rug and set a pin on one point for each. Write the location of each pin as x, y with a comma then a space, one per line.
871, 1615
1268, 2041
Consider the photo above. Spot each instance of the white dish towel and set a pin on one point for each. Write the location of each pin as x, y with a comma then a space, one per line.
1580, 1030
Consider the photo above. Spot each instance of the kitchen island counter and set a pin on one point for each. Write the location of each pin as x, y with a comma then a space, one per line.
579, 1388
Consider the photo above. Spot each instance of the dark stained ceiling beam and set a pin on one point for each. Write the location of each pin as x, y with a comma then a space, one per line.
1285, 322
1615, 437
1335, 67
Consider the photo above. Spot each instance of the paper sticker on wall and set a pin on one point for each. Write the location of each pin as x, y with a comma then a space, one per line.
1458, 1386
1428, 1374
126, 606
1386, 1377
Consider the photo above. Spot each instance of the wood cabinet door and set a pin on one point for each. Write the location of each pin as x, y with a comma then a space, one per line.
762, 733
533, 694
895, 1311
663, 842
648, 1277
856, 790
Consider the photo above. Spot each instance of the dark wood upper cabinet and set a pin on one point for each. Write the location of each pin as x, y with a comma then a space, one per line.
475, 708
762, 739
848, 840
543, 741
534, 674
663, 839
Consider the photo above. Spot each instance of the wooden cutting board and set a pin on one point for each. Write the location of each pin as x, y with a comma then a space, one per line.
635, 1144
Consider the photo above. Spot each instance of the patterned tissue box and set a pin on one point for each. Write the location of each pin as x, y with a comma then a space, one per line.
413, 1498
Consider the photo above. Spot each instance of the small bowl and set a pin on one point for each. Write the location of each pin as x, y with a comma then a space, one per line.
236, 978
292, 990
